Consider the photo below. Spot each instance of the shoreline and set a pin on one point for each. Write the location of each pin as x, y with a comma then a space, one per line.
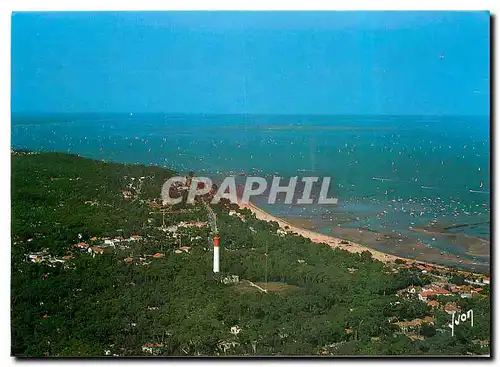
335, 242
331, 241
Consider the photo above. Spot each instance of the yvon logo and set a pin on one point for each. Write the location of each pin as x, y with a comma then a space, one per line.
456, 318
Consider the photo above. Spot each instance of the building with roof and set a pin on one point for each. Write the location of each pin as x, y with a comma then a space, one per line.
154, 349
81, 245
97, 250
411, 290
433, 304
451, 307
409, 326
432, 291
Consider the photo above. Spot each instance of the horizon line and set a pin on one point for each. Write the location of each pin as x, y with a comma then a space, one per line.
132, 113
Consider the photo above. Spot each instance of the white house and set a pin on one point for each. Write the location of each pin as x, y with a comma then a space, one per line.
281, 232
235, 330
230, 279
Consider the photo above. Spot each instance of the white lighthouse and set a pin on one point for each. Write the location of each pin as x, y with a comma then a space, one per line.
216, 254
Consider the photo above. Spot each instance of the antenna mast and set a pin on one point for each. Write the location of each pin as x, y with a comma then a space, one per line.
266, 262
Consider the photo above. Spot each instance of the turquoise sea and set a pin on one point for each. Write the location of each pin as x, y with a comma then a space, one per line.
389, 172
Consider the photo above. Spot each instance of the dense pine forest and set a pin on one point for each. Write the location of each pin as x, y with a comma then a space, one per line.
99, 270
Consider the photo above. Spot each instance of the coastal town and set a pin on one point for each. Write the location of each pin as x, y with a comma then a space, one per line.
439, 287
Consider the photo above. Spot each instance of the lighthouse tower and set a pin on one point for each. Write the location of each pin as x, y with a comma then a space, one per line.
216, 254
214, 235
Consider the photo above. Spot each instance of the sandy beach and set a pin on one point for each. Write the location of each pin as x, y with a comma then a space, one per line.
334, 242
316, 237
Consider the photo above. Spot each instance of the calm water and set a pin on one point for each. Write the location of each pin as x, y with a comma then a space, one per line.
412, 169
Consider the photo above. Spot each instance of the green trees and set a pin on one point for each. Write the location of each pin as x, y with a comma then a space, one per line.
409, 309
325, 298
427, 330
458, 280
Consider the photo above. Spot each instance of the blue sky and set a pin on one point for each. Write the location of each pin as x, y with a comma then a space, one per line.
253, 62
